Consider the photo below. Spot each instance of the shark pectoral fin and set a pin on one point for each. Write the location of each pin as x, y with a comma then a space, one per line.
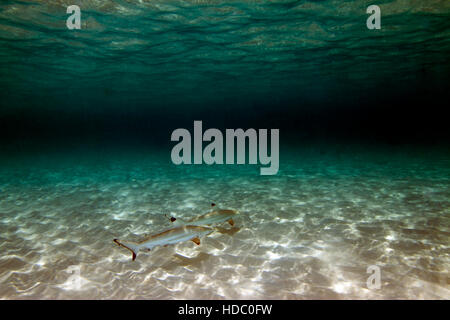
231, 222
196, 240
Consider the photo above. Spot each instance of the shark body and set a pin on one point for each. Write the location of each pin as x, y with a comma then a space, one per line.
214, 217
171, 236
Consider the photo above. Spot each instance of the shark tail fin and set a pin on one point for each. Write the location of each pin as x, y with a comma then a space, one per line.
134, 248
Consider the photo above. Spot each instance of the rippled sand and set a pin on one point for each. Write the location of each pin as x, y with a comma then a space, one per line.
309, 233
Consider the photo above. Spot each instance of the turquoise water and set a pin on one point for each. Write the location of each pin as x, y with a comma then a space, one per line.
170, 54
86, 118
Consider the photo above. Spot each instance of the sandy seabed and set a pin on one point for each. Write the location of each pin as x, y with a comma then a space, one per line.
310, 232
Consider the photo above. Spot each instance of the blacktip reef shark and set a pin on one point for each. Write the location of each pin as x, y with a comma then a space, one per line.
171, 236
214, 217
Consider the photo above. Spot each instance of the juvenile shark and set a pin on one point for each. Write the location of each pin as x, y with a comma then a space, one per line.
165, 238
216, 216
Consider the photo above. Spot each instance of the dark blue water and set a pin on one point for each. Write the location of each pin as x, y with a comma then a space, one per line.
143, 68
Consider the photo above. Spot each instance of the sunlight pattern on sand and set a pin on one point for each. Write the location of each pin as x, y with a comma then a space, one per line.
310, 232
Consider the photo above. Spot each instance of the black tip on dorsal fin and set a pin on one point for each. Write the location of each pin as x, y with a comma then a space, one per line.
134, 256
172, 219
213, 204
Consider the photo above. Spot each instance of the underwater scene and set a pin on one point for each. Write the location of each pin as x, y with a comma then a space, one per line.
224, 149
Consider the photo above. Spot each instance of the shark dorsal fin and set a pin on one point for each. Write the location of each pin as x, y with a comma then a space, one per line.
176, 221
214, 207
